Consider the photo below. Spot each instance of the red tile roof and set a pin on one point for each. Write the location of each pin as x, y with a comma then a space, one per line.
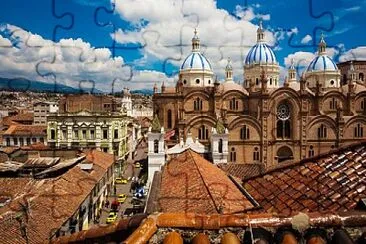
242, 171
51, 202
190, 183
332, 182
24, 130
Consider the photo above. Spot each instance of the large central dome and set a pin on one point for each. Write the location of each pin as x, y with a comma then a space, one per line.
260, 53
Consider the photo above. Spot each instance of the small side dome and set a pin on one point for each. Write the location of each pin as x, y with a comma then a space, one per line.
196, 61
322, 62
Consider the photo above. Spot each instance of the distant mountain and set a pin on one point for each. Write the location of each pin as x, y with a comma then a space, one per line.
20, 84
143, 91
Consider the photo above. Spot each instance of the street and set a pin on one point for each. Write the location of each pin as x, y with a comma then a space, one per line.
129, 172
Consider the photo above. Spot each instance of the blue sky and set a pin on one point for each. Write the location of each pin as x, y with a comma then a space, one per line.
152, 37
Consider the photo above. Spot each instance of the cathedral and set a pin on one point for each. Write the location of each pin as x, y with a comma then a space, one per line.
260, 121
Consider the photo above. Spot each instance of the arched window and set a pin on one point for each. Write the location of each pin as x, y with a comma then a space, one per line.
256, 81
197, 104
311, 151
197, 81
184, 82
234, 104
361, 77
363, 104
283, 121
358, 131
256, 154
333, 103
53, 134
156, 146
344, 81
270, 81
232, 155
203, 133
244, 133
220, 146
170, 119
322, 131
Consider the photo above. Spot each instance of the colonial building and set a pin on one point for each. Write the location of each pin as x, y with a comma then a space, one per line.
88, 121
266, 123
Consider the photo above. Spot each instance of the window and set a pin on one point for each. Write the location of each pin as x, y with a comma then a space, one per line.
209, 81
311, 151
332, 82
363, 104
64, 134
333, 103
53, 134
358, 131
256, 81
105, 149
28, 141
234, 104
232, 155
156, 146
361, 77
92, 134
322, 131
41, 140
185, 82
170, 119
76, 134
220, 146
21, 142
15, 141
115, 133
105, 134
8, 141
256, 154
34, 140
197, 81
283, 122
270, 81
203, 133
244, 132
197, 104
83, 134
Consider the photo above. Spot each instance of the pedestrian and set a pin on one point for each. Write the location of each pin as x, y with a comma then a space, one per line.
107, 204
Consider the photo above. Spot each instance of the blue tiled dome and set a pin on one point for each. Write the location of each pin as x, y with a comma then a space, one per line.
322, 63
196, 61
260, 53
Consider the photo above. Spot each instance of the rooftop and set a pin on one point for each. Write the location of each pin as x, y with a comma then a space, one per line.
191, 184
332, 182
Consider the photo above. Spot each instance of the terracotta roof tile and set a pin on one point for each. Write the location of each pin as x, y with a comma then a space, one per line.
26, 130
190, 183
333, 182
242, 171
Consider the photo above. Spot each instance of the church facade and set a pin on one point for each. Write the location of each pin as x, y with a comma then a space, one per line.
266, 123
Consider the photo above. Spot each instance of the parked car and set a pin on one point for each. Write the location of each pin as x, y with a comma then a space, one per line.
111, 217
120, 180
121, 198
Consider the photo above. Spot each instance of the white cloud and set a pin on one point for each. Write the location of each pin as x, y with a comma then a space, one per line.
306, 39
358, 53
166, 27
69, 61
